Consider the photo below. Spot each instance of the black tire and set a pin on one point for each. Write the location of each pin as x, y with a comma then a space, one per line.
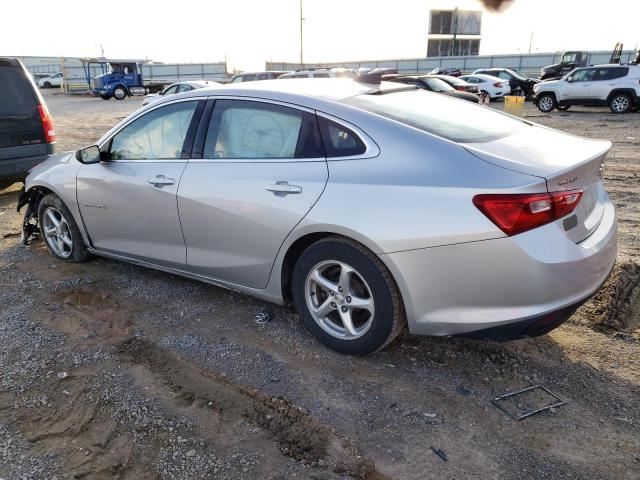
563, 108
47, 85
79, 251
119, 93
389, 318
105, 96
620, 103
546, 102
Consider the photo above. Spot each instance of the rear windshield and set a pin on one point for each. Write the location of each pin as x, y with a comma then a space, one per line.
462, 122
18, 107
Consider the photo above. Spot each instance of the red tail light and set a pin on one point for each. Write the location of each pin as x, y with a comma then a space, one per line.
47, 124
517, 213
498, 84
460, 87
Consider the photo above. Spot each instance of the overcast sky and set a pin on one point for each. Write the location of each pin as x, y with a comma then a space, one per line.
248, 32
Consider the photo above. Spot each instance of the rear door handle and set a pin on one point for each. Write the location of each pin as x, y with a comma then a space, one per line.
283, 188
160, 181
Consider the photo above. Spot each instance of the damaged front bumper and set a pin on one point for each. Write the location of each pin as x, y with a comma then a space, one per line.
30, 220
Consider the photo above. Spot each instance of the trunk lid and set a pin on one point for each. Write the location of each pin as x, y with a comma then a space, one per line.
565, 161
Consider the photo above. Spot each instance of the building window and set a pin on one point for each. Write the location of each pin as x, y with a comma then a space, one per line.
446, 47
450, 22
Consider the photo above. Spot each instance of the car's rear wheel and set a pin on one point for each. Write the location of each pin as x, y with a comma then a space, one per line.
47, 85
563, 108
546, 102
60, 231
119, 93
620, 103
346, 297
105, 96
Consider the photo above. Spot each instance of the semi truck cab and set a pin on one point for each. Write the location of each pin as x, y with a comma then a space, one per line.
122, 79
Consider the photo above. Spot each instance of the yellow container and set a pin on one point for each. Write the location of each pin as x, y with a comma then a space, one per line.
513, 105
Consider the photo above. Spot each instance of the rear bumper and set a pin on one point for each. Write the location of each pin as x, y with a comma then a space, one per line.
509, 283
18, 168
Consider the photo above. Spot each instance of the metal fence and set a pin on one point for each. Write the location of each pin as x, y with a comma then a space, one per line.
528, 64
158, 73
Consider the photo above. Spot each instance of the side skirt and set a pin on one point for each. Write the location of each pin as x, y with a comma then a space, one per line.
261, 294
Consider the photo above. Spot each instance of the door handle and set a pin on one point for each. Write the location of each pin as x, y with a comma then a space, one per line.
283, 188
161, 180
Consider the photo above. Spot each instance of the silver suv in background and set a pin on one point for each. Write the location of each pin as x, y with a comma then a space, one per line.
253, 76
615, 86
321, 73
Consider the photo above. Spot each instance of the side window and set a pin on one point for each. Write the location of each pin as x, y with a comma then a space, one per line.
339, 141
159, 134
263, 76
585, 75
237, 79
184, 88
320, 75
243, 129
611, 73
249, 78
504, 76
170, 90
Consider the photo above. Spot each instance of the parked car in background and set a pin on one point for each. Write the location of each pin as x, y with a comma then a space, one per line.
320, 73
50, 81
451, 71
369, 207
179, 87
433, 85
568, 62
616, 86
492, 86
457, 83
27, 136
517, 82
252, 76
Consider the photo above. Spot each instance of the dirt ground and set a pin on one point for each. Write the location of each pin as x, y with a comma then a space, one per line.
109, 370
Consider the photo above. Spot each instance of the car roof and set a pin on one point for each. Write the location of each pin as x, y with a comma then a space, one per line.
309, 92
484, 76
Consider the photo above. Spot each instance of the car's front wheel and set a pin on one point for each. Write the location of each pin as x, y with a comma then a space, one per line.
620, 103
119, 93
346, 297
105, 96
60, 231
546, 102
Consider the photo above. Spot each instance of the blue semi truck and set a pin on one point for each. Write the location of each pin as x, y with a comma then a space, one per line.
119, 78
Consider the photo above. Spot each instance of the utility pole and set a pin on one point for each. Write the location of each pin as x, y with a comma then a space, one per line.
455, 32
301, 20
530, 41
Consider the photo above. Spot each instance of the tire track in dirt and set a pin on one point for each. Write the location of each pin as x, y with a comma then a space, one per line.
297, 433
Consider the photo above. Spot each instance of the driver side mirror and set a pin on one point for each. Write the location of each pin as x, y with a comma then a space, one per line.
89, 155
570, 79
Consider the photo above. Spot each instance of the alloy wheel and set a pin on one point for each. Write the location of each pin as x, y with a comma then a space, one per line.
339, 300
620, 104
57, 232
546, 104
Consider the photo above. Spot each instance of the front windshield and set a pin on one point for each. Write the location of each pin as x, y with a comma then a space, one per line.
462, 122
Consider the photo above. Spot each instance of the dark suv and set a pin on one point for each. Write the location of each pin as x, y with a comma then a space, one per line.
27, 136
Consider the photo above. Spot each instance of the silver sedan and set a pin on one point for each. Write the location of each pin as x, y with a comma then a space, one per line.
370, 206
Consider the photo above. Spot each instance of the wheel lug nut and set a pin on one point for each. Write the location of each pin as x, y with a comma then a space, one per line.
348, 299
340, 289
344, 309
332, 293
333, 304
